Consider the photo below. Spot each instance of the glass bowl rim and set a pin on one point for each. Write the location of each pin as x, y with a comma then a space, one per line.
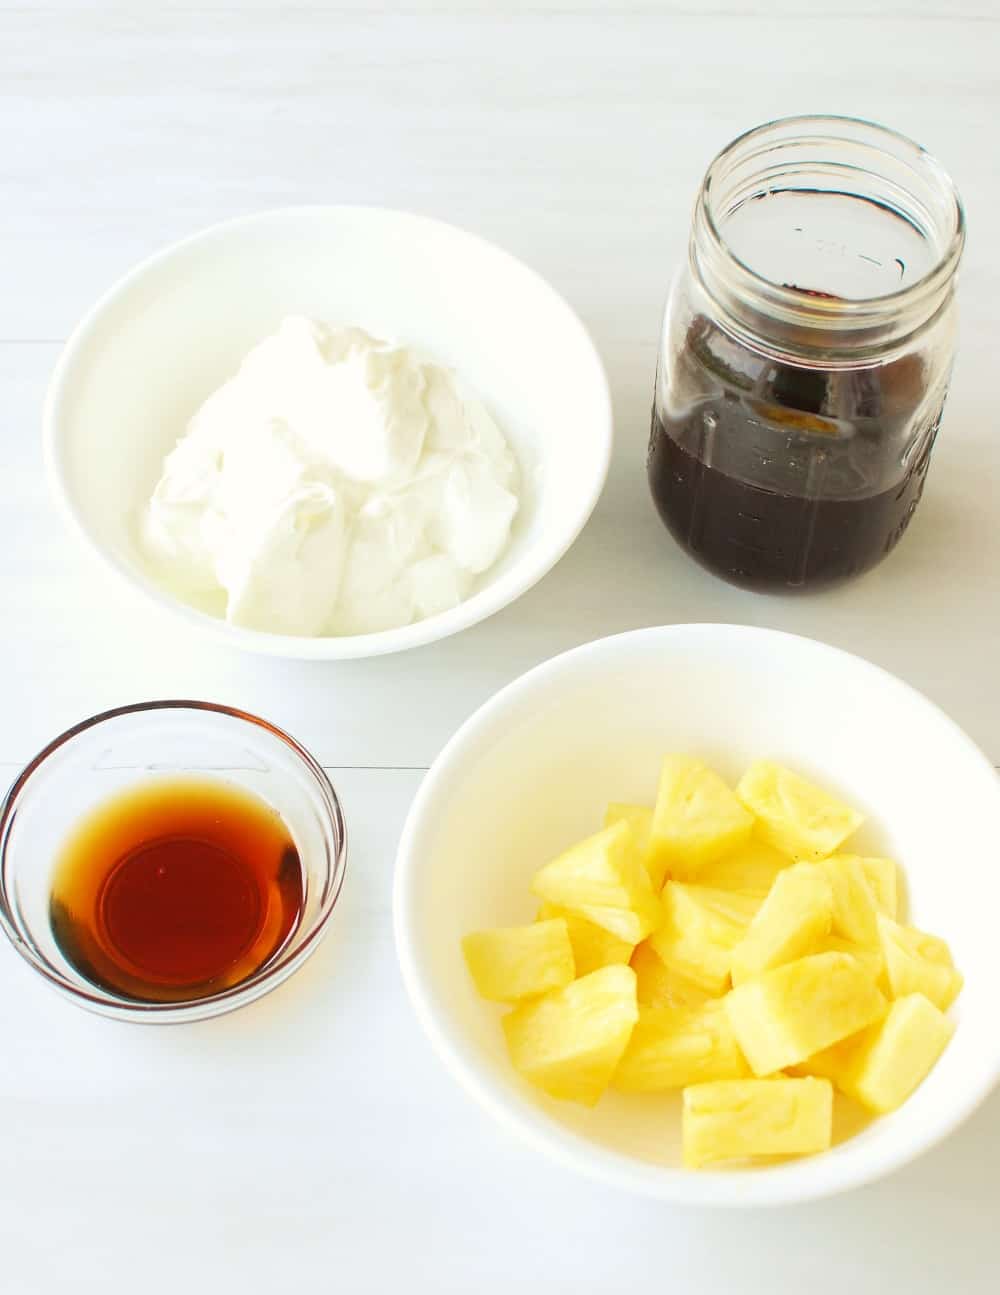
266, 977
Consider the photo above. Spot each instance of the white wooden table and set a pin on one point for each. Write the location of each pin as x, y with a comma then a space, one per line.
313, 1139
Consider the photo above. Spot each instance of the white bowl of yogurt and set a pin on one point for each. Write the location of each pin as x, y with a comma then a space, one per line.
330, 432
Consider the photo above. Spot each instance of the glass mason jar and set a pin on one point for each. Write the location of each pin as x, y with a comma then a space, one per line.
806, 351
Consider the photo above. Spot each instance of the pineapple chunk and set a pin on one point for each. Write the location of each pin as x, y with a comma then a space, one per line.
883, 882
737, 906
697, 818
870, 959
513, 962
640, 820
882, 1065
793, 815
834, 1062
917, 963
570, 1041
624, 924
855, 911
753, 867
890, 1060
797, 912
700, 930
658, 985
593, 946
672, 1048
792, 1012
603, 880
735, 1118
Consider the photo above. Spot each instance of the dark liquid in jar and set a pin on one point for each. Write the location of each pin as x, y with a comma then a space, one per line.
783, 478
175, 890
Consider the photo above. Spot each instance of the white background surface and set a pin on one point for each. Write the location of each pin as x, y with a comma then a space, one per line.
313, 1138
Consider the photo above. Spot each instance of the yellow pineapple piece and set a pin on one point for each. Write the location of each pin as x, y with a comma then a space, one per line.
592, 945
604, 881
513, 962
739, 906
701, 928
855, 911
570, 1041
625, 923
883, 1064
870, 959
736, 1118
797, 912
918, 963
833, 1063
892, 1059
671, 1048
640, 820
788, 1014
883, 882
658, 985
697, 818
753, 868
793, 815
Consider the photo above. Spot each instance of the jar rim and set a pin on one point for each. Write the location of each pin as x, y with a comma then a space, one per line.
833, 314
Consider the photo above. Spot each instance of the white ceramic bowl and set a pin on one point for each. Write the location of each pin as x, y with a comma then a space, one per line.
530, 773
178, 325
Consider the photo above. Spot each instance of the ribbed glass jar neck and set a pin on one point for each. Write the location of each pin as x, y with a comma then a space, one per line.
827, 239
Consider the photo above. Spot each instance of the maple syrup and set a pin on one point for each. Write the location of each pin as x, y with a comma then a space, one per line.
176, 889
772, 539
783, 476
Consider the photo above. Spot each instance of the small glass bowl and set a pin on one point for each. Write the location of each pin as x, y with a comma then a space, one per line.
103, 756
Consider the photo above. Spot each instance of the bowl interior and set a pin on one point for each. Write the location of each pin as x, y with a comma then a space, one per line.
180, 324
531, 773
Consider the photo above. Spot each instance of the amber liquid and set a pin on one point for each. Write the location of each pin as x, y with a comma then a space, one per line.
784, 476
774, 540
176, 889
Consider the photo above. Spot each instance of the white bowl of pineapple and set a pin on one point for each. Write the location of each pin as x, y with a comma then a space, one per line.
664, 906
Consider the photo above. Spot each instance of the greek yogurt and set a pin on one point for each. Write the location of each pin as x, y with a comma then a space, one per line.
335, 485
